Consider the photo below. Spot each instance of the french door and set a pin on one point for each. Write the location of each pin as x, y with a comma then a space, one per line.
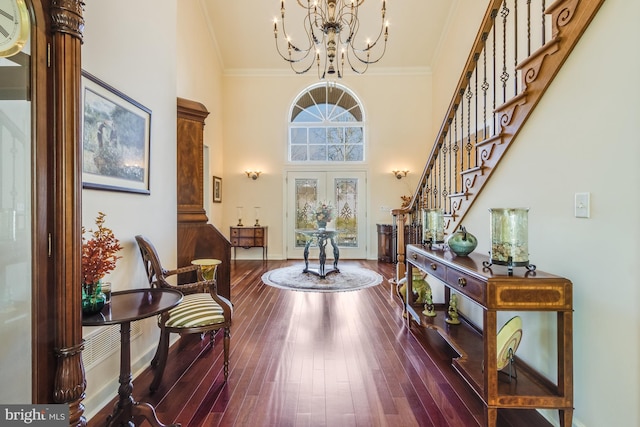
345, 191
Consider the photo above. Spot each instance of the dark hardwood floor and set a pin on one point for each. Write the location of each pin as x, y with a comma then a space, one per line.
315, 359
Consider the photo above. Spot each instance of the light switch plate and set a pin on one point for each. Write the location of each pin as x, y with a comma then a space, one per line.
582, 205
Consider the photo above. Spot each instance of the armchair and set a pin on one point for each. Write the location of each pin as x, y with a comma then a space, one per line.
201, 310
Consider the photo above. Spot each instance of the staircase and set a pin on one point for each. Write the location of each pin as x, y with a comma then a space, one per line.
519, 49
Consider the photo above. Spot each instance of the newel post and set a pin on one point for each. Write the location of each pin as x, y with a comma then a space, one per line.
400, 217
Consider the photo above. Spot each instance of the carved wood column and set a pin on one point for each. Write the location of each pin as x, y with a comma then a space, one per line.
70, 382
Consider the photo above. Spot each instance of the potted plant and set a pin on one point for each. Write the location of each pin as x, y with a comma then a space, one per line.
98, 259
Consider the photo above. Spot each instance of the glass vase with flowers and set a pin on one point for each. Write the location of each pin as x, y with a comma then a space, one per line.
98, 259
323, 214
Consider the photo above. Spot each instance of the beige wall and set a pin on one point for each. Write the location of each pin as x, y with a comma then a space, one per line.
137, 57
200, 79
255, 137
460, 32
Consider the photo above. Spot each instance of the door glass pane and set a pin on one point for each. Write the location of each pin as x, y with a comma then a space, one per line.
306, 197
15, 228
346, 202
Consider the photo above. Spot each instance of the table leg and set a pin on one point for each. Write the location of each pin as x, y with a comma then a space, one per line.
322, 243
127, 408
336, 253
306, 256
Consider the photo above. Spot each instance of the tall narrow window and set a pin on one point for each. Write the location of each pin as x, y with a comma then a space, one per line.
326, 125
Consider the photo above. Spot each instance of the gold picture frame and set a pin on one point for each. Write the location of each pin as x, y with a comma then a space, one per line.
217, 189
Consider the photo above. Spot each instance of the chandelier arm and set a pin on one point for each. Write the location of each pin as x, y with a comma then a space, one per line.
383, 32
368, 60
311, 38
354, 69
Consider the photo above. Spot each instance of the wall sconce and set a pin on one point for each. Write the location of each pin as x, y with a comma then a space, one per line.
253, 174
400, 174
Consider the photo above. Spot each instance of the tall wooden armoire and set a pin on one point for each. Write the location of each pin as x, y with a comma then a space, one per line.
196, 237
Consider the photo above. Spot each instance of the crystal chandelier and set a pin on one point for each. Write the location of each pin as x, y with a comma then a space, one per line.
329, 25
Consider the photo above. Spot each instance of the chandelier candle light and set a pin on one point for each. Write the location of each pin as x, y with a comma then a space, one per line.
330, 24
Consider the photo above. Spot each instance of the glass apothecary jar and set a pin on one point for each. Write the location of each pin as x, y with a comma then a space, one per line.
510, 236
432, 226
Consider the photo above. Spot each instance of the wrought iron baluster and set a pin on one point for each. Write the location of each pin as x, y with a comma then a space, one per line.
515, 47
469, 95
544, 23
485, 83
504, 77
494, 14
444, 176
454, 147
476, 72
528, 28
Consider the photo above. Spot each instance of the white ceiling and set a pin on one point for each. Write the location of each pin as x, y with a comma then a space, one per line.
243, 32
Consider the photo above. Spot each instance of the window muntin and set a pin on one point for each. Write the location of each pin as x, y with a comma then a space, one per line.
326, 125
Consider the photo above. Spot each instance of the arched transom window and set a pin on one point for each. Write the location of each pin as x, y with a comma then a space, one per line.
326, 125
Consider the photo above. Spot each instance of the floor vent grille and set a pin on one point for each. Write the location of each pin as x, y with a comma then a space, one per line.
104, 343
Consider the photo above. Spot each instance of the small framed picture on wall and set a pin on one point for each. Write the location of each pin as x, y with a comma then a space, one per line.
217, 189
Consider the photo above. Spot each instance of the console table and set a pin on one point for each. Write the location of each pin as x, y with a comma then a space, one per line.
494, 290
249, 237
321, 236
125, 307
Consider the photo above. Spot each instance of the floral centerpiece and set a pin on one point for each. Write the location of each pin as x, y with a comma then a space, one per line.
98, 259
323, 213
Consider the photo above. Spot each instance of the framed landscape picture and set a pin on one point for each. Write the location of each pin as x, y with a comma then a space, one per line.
217, 189
115, 139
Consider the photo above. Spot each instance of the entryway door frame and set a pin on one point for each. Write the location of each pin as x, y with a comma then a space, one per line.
325, 185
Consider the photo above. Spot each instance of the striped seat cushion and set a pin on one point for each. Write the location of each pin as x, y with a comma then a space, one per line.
195, 310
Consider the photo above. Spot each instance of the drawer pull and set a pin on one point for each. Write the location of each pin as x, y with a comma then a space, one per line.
462, 282
434, 266
414, 256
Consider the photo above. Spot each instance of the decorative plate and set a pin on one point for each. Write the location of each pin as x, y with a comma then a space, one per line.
509, 337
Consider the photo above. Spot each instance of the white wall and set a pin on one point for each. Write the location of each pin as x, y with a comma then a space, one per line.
136, 56
583, 137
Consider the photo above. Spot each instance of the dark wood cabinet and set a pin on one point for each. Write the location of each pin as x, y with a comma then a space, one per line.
494, 290
197, 238
385, 242
249, 237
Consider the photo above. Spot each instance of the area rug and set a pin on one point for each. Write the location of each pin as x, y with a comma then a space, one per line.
350, 278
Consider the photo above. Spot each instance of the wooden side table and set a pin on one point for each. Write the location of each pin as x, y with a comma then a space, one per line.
125, 307
494, 291
249, 237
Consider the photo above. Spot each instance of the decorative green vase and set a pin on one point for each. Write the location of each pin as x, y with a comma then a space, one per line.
92, 298
322, 225
462, 243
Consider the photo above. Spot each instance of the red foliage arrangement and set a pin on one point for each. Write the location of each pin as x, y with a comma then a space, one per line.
99, 252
